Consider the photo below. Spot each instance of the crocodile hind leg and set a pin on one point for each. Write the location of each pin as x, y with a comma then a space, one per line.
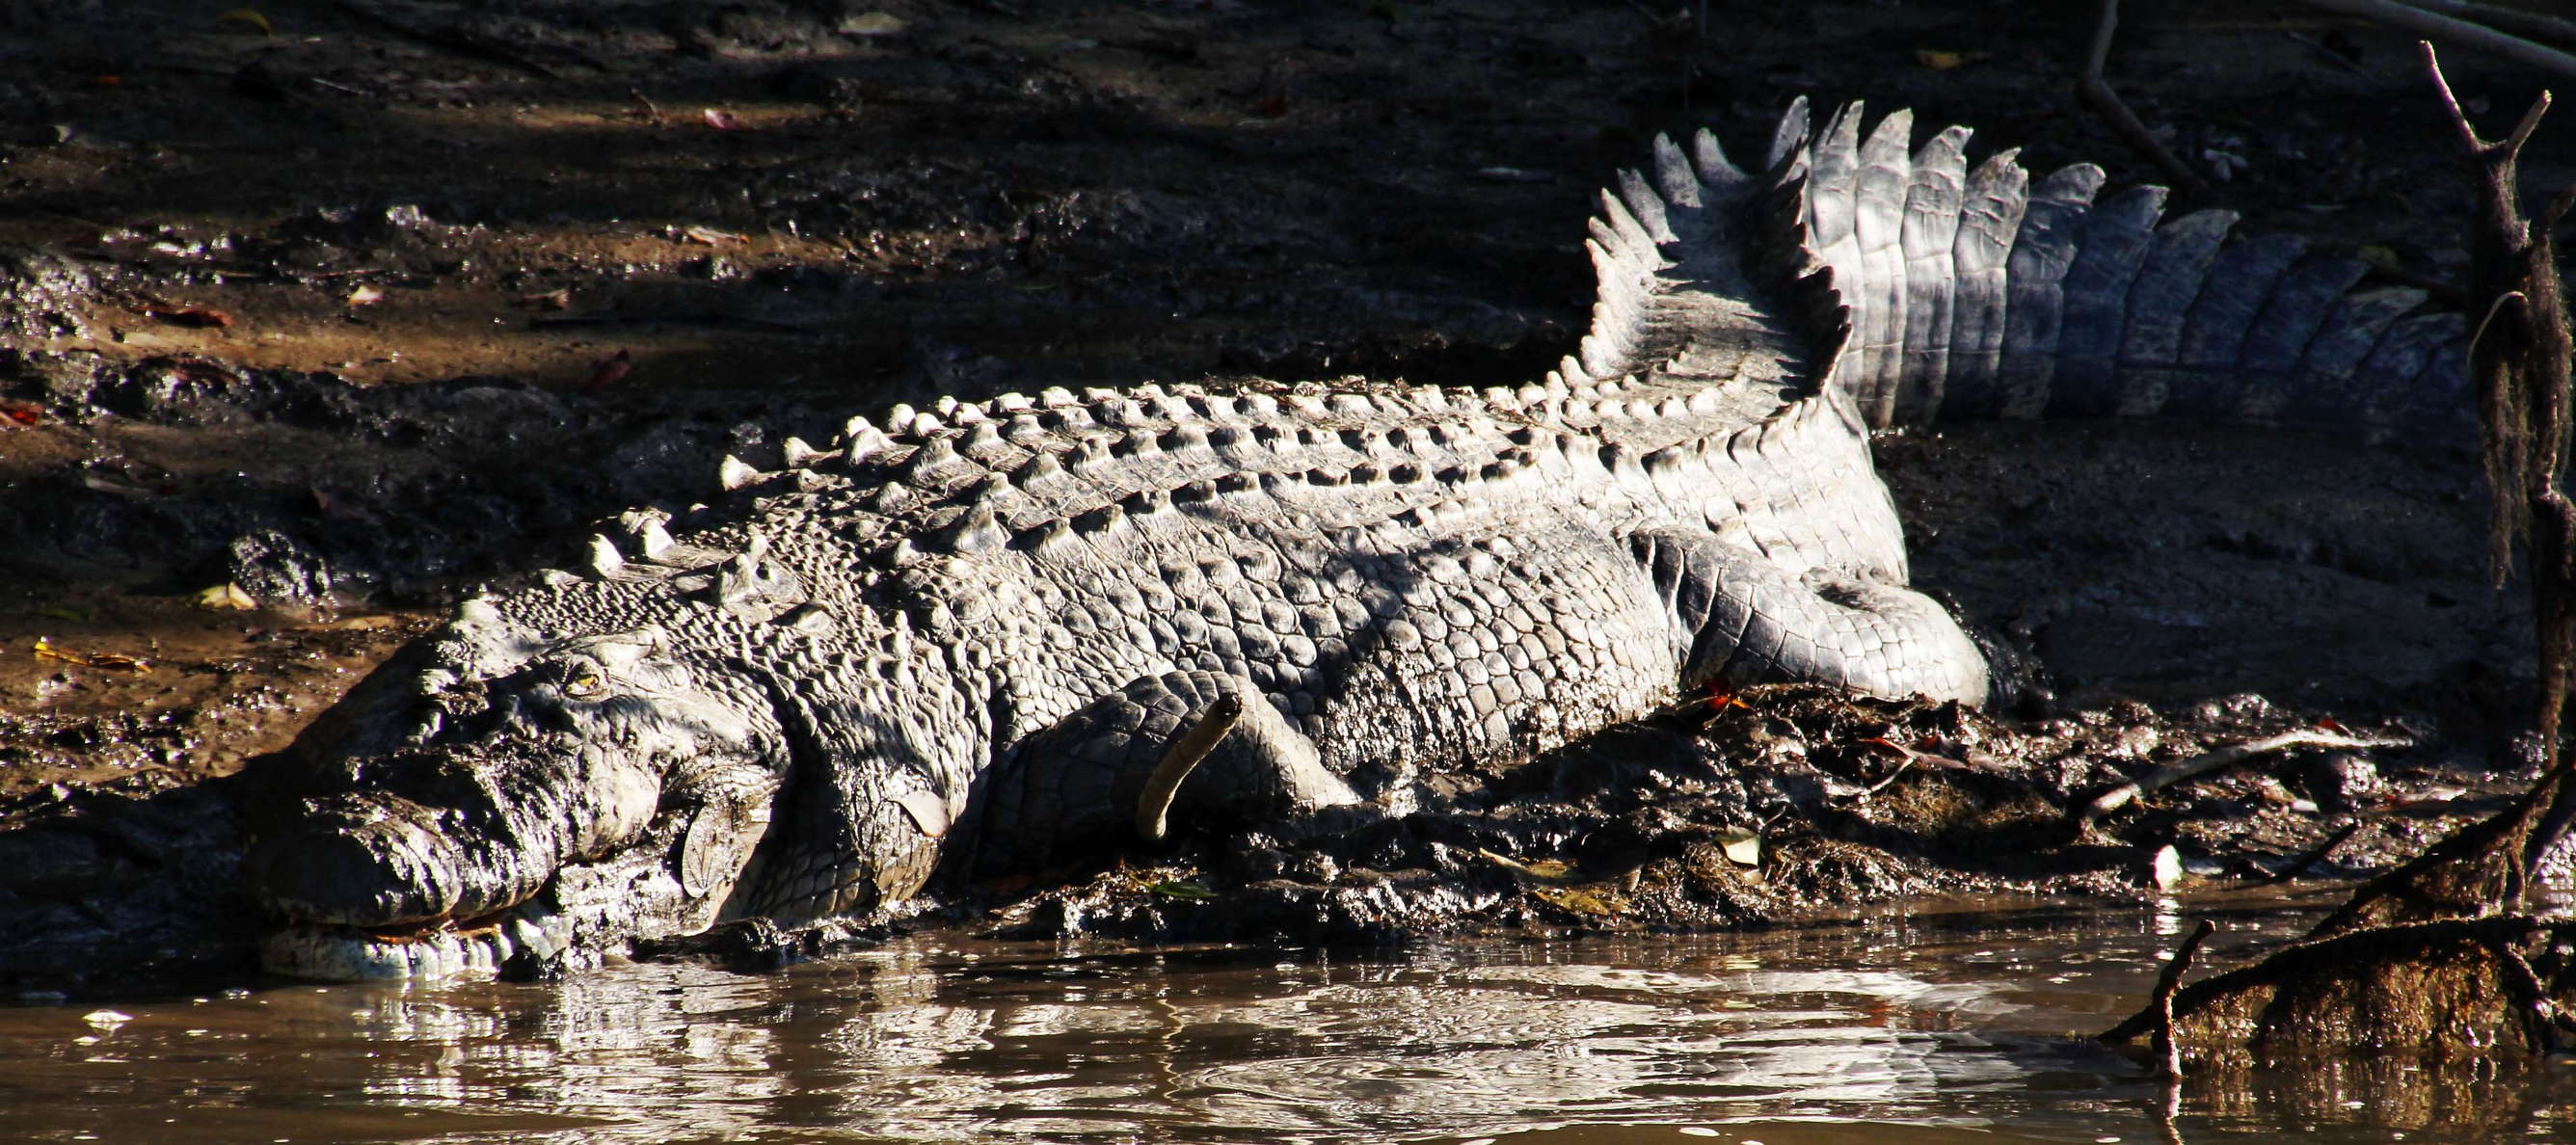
1178, 747
1741, 617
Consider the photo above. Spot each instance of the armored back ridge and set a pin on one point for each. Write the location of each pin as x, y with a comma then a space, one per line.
997, 637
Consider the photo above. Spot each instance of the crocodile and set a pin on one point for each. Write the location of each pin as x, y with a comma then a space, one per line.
1007, 637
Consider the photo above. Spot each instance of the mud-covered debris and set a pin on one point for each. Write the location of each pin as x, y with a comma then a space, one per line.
2442, 990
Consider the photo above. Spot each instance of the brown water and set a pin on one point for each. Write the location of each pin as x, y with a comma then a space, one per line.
1926, 1026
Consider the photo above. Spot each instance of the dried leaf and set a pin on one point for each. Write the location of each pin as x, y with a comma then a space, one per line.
873, 24
364, 295
1542, 870
1549, 868
1941, 61
45, 650
1583, 900
192, 316
723, 120
1742, 848
609, 371
226, 597
550, 300
244, 20
20, 413
710, 236
352, 624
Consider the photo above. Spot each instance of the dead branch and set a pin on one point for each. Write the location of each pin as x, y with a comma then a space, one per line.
2216, 758
2531, 25
2461, 32
2096, 92
458, 40
2300, 864
2521, 359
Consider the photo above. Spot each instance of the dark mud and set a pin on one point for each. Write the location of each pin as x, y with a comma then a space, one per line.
340, 320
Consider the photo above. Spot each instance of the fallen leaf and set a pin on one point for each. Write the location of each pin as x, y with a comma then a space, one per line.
873, 24
193, 316
1888, 746
723, 120
364, 295
1743, 848
352, 624
609, 371
45, 650
711, 236
245, 20
550, 300
20, 413
226, 597
1581, 900
1941, 61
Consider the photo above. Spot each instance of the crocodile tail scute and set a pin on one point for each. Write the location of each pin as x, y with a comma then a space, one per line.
1985, 293
1672, 249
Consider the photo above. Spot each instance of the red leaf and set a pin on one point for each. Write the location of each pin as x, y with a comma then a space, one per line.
20, 413
193, 316
610, 371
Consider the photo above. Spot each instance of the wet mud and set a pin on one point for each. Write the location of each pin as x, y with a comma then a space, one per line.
312, 329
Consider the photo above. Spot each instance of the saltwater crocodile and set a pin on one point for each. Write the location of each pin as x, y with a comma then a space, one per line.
992, 637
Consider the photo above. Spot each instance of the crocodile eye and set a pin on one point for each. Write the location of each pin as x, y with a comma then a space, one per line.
584, 684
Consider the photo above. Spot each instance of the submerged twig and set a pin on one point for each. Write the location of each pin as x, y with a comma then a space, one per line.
2168, 1049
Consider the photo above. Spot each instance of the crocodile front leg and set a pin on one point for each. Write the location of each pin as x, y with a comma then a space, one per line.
1180, 746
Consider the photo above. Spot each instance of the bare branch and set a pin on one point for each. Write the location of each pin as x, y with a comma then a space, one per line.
2461, 32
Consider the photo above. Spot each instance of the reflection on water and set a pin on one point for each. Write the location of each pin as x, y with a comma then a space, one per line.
1898, 1027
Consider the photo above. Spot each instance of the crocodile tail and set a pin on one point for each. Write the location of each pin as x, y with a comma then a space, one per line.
1982, 293
1673, 250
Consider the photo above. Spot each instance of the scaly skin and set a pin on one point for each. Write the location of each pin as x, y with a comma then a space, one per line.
961, 641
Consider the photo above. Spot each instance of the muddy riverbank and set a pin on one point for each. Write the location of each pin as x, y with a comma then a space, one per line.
317, 320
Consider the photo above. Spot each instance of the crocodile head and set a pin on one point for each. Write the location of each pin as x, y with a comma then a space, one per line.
499, 793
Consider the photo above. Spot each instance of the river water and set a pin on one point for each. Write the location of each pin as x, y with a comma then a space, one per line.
1953, 1023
